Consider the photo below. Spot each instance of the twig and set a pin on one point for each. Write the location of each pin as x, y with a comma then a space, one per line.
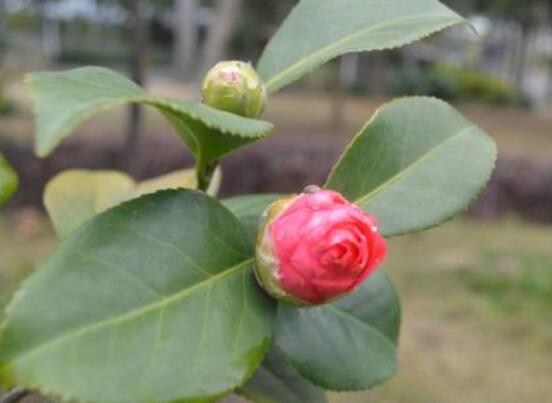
204, 173
14, 395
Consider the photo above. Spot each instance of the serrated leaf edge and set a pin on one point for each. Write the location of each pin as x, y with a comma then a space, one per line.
159, 103
66, 398
271, 88
332, 387
376, 115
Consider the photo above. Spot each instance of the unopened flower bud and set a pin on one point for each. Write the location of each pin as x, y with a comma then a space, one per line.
235, 87
315, 247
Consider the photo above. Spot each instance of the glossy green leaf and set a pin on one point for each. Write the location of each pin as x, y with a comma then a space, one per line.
347, 345
276, 381
247, 205
249, 209
153, 300
417, 163
75, 196
63, 100
317, 31
8, 181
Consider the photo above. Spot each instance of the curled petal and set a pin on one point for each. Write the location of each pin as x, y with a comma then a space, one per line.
315, 247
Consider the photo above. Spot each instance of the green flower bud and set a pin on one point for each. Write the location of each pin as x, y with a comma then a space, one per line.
266, 263
235, 87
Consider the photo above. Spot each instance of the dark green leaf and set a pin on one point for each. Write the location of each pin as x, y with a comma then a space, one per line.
249, 209
153, 300
417, 163
317, 31
63, 100
277, 382
347, 345
250, 204
8, 181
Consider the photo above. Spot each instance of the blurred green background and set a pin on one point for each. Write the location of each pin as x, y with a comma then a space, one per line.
476, 293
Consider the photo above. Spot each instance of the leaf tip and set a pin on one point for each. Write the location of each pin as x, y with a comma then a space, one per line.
41, 150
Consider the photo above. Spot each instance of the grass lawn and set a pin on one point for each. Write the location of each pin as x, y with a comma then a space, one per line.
476, 297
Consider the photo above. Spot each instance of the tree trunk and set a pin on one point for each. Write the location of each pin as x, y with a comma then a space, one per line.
549, 97
14, 396
51, 38
379, 66
3, 35
337, 99
138, 65
186, 38
220, 33
505, 33
348, 70
521, 62
3, 27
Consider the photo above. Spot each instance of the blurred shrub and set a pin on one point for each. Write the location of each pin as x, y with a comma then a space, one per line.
6, 106
455, 84
91, 56
95, 56
283, 163
24, 21
512, 282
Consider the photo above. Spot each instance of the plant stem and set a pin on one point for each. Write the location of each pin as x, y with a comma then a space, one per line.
138, 70
14, 395
204, 173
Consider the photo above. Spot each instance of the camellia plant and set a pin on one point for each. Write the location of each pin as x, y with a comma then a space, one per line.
174, 296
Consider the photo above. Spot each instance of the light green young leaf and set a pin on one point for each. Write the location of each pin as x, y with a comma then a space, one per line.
317, 31
63, 100
348, 345
276, 381
183, 179
75, 196
153, 300
417, 163
9, 181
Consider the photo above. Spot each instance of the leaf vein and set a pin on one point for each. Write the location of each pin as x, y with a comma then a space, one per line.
388, 182
327, 50
137, 312
170, 246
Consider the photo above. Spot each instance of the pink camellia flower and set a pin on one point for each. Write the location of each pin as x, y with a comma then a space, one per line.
316, 246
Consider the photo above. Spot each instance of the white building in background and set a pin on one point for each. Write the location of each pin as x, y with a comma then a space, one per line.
109, 13
101, 16
538, 80
55, 12
495, 49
